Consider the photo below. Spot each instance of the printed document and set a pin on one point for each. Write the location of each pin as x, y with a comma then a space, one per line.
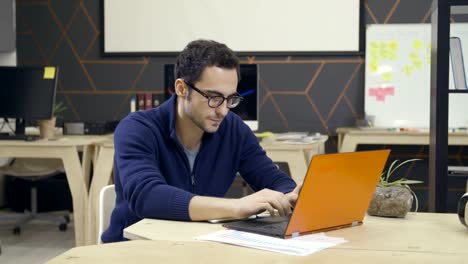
299, 246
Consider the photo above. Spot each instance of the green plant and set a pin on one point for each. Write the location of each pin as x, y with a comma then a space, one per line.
403, 182
58, 109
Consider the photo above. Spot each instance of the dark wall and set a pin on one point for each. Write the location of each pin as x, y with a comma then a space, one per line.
306, 93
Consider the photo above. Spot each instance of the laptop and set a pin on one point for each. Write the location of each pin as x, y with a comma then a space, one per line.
336, 193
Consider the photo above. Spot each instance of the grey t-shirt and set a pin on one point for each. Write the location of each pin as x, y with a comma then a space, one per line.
191, 155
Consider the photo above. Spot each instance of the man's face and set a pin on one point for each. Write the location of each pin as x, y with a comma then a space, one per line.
214, 81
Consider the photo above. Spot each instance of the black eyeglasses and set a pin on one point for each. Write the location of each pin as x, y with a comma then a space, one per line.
217, 100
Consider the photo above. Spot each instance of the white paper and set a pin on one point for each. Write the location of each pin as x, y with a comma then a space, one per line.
300, 246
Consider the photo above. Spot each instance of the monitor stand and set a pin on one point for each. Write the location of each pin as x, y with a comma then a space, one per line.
20, 125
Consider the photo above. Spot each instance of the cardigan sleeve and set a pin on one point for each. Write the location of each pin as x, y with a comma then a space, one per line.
143, 185
258, 169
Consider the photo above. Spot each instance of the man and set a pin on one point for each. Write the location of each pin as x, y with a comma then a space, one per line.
175, 161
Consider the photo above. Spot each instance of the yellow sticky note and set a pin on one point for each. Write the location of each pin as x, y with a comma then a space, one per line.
387, 77
374, 45
414, 56
373, 66
417, 64
393, 45
49, 72
417, 44
392, 56
374, 53
383, 54
382, 45
408, 70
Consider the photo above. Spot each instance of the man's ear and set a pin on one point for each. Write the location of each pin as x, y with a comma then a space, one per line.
180, 88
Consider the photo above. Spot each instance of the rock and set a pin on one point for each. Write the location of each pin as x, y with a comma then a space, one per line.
394, 201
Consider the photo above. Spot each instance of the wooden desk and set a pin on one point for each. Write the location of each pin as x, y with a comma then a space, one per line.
210, 252
417, 232
420, 238
350, 138
65, 148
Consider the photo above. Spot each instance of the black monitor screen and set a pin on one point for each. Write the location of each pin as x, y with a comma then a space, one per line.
27, 92
247, 88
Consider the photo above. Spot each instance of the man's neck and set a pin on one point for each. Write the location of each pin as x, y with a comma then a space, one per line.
189, 141
187, 132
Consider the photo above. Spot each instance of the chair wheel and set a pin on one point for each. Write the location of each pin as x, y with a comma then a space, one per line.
67, 219
63, 227
17, 231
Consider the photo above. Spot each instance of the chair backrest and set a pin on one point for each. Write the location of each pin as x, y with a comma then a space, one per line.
106, 205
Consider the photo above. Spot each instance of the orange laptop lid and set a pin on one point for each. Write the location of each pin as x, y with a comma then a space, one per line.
337, 191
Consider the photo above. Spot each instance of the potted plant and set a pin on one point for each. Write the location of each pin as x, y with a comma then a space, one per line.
47, 126
393, 198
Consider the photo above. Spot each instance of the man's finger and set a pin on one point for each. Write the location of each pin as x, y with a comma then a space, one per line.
276, 204
297, 189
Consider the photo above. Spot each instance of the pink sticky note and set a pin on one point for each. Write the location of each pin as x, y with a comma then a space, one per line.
380, 93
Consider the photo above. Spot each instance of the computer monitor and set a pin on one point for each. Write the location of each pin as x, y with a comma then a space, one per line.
27, 93
247, 87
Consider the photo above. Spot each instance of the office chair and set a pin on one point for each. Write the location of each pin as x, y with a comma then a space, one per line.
34, 170
106, 205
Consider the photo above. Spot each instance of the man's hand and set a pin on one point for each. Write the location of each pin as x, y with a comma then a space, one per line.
292, 196
265, 200
205, 208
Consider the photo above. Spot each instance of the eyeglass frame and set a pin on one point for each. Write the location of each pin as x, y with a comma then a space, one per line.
198, 90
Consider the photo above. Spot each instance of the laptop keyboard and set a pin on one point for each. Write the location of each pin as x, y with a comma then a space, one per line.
272, 225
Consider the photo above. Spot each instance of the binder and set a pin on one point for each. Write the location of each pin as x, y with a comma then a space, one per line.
148, 101
158, 99
141, 101
133, 105
458, 65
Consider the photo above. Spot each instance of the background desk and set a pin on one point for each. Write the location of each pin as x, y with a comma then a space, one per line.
65, 148
350, 138
297, 156
102, 176
420, 238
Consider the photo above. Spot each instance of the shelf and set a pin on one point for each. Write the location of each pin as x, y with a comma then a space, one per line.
458, 91
458, 171
456, 3
458, 175
441, 11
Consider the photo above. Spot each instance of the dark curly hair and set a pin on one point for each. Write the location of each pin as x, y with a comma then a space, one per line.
199, 54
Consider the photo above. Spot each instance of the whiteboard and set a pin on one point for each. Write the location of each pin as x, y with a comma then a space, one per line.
397, 76
244, 25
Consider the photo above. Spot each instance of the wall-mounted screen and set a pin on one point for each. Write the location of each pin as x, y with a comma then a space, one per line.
251, 26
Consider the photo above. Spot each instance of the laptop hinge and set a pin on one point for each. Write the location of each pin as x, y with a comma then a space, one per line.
294, 234
355, 223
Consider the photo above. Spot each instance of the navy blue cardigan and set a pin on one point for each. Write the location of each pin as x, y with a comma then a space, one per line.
152, 173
